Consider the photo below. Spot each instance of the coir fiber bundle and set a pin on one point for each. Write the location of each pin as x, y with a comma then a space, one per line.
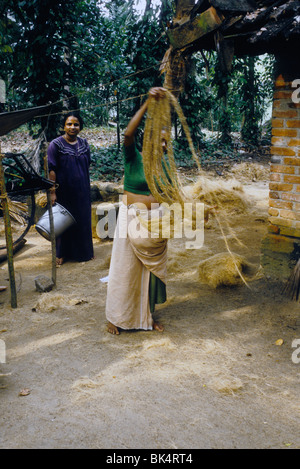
225, 270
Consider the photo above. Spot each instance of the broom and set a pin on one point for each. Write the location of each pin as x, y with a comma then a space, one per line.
292, 287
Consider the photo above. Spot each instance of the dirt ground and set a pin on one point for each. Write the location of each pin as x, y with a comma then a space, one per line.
215, 378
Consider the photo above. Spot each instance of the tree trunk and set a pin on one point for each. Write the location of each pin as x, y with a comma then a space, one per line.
250, 127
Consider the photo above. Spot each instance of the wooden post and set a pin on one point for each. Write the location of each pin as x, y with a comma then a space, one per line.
52, 236
52, 233
8, 235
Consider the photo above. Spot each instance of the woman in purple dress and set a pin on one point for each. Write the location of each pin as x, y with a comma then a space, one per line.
68, 163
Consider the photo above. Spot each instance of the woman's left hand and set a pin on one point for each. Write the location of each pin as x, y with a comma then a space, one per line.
52, 197
157, 93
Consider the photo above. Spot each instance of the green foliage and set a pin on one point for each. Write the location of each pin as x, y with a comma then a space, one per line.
212, 151
237, 101
106, 163
252, 88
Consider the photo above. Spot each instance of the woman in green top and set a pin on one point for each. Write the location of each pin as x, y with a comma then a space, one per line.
137, 275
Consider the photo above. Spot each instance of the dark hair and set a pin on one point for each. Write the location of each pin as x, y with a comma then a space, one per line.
73, 114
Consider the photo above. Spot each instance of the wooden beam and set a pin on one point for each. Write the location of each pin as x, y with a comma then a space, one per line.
183, 8
242, 6
190, 31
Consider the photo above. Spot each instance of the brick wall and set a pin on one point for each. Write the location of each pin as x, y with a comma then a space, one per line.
284, 202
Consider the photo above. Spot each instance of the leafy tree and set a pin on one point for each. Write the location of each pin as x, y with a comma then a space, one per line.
251, 92
48, 33
129, 66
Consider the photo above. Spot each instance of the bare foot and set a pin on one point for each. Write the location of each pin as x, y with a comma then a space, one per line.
112, 329
158, 327
59, 261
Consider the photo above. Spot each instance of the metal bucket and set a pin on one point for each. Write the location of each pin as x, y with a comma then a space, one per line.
62, 220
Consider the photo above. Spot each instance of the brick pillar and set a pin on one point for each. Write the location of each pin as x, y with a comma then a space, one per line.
281, 248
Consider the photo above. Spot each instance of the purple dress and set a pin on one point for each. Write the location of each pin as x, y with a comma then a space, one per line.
71, 165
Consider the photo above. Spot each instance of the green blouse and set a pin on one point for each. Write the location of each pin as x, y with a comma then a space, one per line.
134, 176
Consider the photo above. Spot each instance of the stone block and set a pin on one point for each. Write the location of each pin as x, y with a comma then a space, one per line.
43, 284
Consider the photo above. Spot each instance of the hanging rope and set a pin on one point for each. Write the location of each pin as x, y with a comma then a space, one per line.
159, 66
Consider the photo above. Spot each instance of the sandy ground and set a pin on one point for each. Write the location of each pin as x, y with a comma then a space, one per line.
215, 377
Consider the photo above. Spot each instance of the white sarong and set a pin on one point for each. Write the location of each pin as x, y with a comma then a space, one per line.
134, 255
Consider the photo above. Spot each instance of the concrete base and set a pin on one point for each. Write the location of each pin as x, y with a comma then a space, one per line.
279, 255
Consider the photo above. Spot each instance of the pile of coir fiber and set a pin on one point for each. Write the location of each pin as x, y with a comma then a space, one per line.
226, 270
